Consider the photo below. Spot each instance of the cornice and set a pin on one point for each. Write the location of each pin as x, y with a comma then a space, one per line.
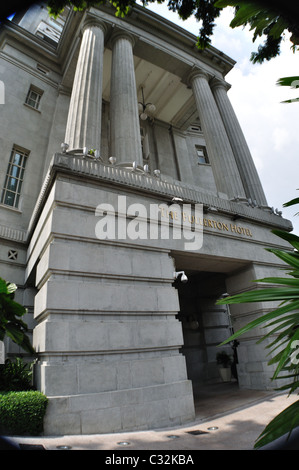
150, 23
27, 41
149, 185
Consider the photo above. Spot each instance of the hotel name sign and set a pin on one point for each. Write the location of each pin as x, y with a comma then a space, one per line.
217, 225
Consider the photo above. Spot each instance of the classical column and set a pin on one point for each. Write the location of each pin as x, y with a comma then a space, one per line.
84, 119
124, 118
247, 169
225, 170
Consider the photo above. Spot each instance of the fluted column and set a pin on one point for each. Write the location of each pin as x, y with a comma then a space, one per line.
225, 170
247, 169
124, 118
84, 119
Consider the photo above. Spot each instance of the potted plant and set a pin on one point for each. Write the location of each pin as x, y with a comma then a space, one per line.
224, 366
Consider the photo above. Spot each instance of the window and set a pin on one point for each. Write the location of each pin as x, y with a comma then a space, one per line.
202, 157
33, 97
14, 177
49, 33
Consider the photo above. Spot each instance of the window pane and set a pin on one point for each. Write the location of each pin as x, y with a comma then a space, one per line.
15, 170
12, 184
201, 155
17, 157
17, 200
31, 102
9, 198
33, 95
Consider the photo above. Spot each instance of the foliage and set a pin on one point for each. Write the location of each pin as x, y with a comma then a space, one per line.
10, 317
283, 325
292, 82
203, 10
268, 18
223, 359
15, 375
22, 412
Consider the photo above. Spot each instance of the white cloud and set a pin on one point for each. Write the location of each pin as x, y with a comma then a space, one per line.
270, 127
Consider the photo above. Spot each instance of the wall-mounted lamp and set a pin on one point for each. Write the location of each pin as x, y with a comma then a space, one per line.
182, 274
64, 147
112, 160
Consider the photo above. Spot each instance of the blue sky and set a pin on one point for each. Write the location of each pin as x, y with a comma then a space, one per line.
270, 127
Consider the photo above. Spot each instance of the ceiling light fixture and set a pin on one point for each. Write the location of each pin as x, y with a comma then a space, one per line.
145, 109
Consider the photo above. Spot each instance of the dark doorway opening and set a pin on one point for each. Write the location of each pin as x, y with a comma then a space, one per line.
205, 325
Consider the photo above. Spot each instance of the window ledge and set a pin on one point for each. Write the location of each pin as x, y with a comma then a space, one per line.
10, 208
31, 107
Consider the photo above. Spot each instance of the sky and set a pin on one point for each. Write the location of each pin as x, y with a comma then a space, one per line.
270, 127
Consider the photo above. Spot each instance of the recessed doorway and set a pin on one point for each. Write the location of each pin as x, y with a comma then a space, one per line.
205, 325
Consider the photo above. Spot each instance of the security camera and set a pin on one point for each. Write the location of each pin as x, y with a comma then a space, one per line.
184, 278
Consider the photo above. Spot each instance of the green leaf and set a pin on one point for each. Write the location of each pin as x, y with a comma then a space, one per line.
10, 317
289, 237
263, 295
292, 202
245, 13
293, 100
14, 333
258, 321
226, 3
289, 258
281, 280
282, 424
285, 354
3, 287
278, 28
292, 82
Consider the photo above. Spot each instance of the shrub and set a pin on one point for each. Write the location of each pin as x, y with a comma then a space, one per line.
15, 375
223, 359
22, 412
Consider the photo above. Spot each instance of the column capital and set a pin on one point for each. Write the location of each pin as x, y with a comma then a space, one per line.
122, 33
196, 72
219, 83
92, 21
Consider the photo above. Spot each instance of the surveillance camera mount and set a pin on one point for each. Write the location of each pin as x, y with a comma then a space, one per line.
184, 278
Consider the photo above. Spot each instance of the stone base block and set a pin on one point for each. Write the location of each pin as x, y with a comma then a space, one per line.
122, 410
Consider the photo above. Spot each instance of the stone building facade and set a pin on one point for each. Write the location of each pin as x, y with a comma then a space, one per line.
102, 117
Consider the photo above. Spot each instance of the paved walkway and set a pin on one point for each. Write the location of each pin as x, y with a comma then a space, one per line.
226, 419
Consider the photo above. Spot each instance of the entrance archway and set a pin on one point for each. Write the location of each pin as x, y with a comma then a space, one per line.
205, 325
